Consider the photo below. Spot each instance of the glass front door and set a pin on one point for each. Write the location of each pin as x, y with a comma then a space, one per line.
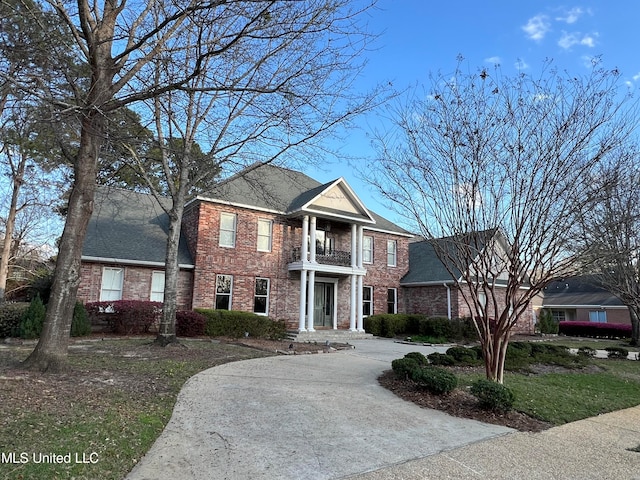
323, 305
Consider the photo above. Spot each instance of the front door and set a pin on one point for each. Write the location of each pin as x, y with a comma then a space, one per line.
323, 305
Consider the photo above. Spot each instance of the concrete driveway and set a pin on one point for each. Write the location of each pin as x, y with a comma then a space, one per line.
305, 417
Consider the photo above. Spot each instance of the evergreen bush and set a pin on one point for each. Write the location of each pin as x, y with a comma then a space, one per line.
546, 323
418, 357
463, 355
587, 352
435, 380
437, 358
403, 367
237, 324
617, 352
10, 318
80, 324
32, 320
493, 396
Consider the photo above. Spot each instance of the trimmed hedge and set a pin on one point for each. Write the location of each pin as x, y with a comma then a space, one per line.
237, 324
435, 380
10, 316
190, 323
594, 329
126, 317
493, 396
391, 325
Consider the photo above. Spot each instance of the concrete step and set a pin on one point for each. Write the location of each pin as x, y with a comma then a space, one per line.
331, 336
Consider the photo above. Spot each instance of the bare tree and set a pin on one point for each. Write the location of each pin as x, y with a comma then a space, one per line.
607, 234
120, 43
493, 164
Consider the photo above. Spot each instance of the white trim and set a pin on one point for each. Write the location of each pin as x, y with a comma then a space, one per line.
236, 204
591, 305
142, 263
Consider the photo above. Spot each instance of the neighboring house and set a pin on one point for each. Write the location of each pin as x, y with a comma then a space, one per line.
431, 288
580, 298
269, 240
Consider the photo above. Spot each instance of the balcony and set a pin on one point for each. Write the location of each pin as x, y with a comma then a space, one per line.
325, 257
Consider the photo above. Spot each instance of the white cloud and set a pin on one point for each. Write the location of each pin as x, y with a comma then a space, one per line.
495, 60
571, 16
521, 64
568, 40
537, 27
636, 77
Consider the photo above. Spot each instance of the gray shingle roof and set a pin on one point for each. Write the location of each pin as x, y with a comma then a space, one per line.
280, 189
578, 291
129, 226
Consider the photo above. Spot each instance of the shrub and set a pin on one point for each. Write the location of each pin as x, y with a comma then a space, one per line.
32, 320
594, 329
437, 358
546, 323
587, 352
373, 325
463, 355
403, 367
236, 324
493, 396
80, 324
10, 317
126, 317
418, 357
617, 352
435, 327
435, 380
190, 323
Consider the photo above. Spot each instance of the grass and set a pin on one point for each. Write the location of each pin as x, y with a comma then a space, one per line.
108, 410
573, 395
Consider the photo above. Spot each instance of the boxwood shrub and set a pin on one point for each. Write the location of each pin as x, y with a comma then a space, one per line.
404, 367
437, 358
435, 380
463, 355
237, 324
493, 396
418, 357
617, 352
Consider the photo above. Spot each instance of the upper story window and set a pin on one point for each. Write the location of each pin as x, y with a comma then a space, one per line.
367, 249
111, 288
157, 287
265, 229
392, 253
228, 223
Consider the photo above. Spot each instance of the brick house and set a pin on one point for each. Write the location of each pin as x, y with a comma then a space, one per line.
269, 240
431, 289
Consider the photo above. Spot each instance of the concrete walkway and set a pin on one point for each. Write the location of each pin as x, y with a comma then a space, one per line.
326, 417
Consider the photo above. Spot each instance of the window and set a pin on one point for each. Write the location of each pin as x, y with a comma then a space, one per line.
224, 285
598, 316
111, 288
367, 249
392, 300
157, 287
367, 301
391, 253
558, 315
261, 297
265, 227
227, 229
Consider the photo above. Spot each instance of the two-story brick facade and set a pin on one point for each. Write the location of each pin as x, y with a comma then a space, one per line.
269, 240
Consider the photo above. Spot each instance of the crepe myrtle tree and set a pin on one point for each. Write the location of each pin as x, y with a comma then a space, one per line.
488, 168
121, 43
607, 233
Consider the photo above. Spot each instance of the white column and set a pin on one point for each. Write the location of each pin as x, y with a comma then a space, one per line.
303, 300
353, 305
311, 300
305, 233
359, 321
312, 247
354, 240
360, 324
335, 306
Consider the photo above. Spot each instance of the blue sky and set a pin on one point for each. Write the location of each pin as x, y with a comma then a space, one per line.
422, 36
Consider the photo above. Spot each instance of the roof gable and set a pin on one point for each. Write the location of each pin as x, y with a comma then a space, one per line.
336, 199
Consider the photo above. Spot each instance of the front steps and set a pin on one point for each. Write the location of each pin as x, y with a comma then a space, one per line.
324, 336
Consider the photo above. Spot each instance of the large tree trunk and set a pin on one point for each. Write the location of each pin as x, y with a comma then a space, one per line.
51, 352
18, 177
635, 326
167, 330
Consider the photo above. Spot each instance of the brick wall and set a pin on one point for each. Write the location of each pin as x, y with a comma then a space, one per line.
136, 283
